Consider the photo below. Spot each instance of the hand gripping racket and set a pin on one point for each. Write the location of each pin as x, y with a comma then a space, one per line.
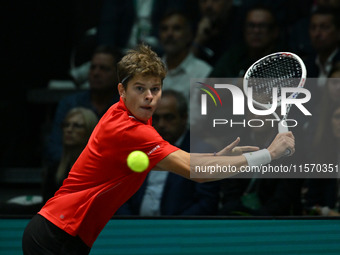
270, 74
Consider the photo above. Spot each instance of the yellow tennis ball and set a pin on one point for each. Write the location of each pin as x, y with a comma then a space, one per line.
138, 161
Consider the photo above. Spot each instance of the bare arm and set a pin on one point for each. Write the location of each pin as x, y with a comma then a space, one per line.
183, 163
230, 150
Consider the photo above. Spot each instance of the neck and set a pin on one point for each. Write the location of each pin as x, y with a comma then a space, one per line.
174, 60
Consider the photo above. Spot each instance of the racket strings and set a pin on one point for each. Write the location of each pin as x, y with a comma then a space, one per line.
273, 72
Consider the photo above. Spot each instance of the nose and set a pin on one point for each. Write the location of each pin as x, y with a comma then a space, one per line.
170, 31
148, 95
68, 129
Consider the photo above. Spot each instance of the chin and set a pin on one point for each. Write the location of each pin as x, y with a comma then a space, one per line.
143, 118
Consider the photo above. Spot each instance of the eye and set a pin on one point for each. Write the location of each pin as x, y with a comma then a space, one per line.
72, 125
155, 89
78, 126
139, 88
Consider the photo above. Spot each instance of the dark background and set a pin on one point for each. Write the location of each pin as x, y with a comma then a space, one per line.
37, 38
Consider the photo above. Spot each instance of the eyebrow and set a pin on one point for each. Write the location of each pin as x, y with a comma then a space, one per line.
139, 83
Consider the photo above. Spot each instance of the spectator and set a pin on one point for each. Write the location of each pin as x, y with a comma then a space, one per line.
333, 85
324, 33
101, 95
330, 96
76, 128
176, 37
299, 38
322, 195
166, 193
218, 28
261, 35
124, 24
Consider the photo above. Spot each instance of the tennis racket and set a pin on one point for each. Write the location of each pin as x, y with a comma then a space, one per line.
272, 73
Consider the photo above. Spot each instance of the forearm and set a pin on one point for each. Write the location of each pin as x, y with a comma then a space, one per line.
205, 167
199, 167
230, 160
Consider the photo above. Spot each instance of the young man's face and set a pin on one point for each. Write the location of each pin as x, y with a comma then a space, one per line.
142, 96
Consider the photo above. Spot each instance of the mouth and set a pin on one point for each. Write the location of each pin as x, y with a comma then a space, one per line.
148, 108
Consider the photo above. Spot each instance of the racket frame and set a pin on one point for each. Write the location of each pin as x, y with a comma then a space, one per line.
293, 95
282, 125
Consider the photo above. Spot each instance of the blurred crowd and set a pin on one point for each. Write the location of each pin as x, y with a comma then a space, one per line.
196, 39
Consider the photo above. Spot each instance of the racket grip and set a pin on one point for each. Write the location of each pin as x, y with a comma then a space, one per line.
283, 129
283, 126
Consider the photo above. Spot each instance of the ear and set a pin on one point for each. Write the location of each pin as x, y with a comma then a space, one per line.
121, 90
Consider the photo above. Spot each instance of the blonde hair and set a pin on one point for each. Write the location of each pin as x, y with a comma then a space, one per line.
140, 61
90, 118
69, 155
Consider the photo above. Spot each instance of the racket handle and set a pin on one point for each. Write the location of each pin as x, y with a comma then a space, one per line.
283, 129
283, 126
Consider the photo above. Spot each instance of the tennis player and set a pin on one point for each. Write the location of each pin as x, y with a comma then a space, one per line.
100, 180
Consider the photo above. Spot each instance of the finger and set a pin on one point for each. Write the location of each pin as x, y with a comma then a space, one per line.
290, 141
241, 149
290, 145
249, 148
289, 134
235, 143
